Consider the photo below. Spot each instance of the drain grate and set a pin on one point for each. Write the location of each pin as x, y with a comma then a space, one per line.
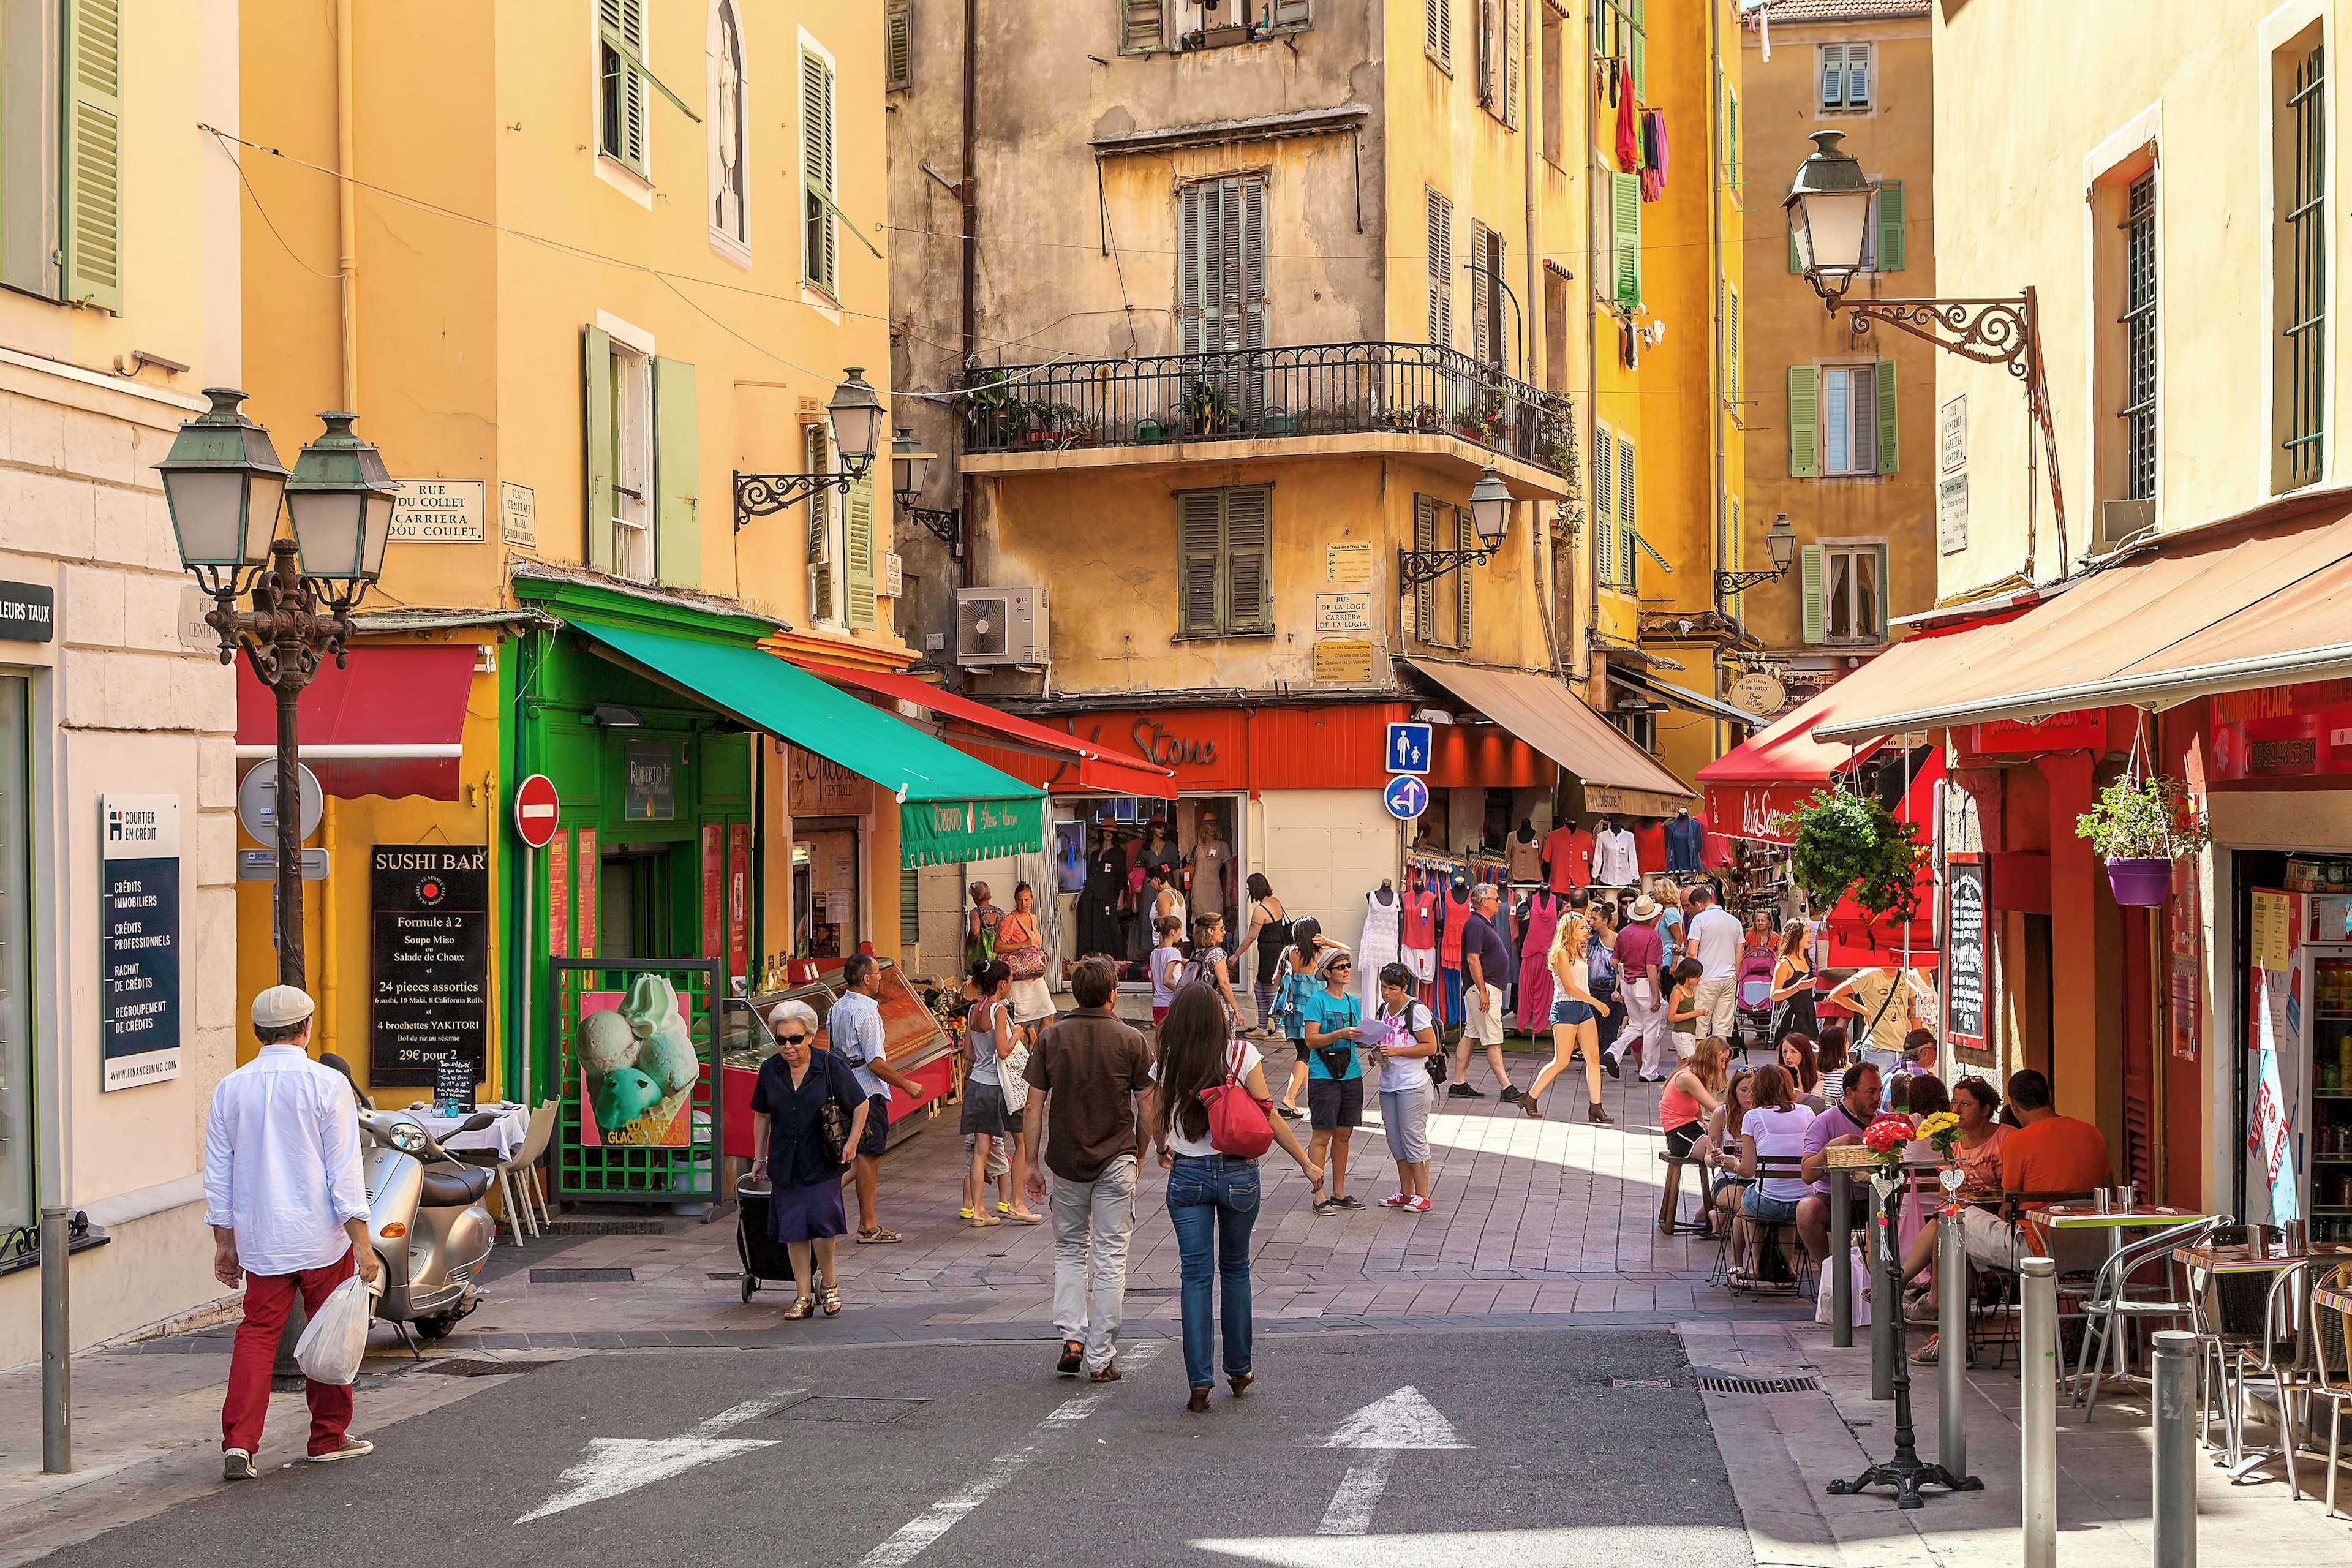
1760, 1384
462, 1366
848, 1409
584, 1275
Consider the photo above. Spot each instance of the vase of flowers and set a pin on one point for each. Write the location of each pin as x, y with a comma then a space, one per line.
1943, 1129
1887, 1137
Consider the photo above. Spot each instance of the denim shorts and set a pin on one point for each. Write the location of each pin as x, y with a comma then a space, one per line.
1569, 1010
1756, 1205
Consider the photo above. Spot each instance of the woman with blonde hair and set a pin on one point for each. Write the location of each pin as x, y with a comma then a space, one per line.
1575, 1015
1692, 1094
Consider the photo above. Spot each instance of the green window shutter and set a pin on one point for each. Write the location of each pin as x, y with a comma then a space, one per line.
92, 208
1796, 262
1804, 422
1248, 218
897, 46
1887, 425
1628, 526
597, 424
1640, 42
1218, 265
1199, 549
622, 27
1139, 26
1466, 537
677, 476
820, 523
1249, 559
1192, 266
858, 555
819, 262
1808, 580
1625, 238
1425, 593
1604, 507
1890, 225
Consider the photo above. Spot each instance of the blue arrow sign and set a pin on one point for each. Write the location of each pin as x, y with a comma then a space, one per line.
1406, 798
1408, 749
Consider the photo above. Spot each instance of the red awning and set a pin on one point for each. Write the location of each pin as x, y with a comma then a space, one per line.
1075, 766
391, 722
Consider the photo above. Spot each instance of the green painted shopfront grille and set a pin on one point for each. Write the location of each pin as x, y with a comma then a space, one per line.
607, 1173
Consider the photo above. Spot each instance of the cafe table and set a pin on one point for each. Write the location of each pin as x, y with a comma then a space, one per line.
2241, 1260
2113, 1222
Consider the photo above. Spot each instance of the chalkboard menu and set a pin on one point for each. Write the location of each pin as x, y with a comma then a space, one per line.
454, 1077
430, 906
1964, 954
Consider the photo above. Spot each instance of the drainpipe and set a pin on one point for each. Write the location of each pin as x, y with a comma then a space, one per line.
347, 204
1545, 575
967, 195
1580, 650
1719, 304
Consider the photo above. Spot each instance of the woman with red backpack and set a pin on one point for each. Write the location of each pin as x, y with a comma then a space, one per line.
1207, 1116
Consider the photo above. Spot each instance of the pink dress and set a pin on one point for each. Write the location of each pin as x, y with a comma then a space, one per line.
1535, 962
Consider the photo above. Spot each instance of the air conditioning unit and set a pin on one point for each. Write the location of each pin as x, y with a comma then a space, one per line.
1001, 626
2118, 521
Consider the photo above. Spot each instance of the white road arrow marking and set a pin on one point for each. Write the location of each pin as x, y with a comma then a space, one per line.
612, 1466
1405, 1419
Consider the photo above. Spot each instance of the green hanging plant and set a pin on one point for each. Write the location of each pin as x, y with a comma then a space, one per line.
1851, 846
2143, 816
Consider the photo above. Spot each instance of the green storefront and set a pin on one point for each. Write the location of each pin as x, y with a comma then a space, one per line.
648, 715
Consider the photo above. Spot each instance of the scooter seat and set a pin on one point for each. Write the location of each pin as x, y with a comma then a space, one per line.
450, 1188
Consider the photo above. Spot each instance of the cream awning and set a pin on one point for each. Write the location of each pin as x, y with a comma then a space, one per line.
1544, 713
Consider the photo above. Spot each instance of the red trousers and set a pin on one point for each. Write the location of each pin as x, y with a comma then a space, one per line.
268, 1299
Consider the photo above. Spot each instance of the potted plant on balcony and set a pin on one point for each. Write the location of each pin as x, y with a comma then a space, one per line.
1483, 419
991, 392
1208, 409
2141, 823
1217, 34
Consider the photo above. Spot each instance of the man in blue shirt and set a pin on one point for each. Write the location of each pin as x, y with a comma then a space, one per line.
1487, 967
854, 1029
1335, 1079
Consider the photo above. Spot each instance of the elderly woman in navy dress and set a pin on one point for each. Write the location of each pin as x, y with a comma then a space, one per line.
804, 1208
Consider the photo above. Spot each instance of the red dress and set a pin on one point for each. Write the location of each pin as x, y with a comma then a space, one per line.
1534, 962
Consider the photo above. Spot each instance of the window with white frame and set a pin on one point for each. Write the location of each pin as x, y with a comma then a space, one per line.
633, 464
1849, 430
1845, 587
819, 241
1846, 78
728, 124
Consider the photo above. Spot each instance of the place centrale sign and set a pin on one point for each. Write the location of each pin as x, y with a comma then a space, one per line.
438, 511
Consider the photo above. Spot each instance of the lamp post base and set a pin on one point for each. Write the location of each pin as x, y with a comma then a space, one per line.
1907, 1475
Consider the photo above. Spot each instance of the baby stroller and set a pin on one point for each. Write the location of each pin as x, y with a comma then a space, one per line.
1751, 1026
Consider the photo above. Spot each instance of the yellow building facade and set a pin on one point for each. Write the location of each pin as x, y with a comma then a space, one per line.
619, 259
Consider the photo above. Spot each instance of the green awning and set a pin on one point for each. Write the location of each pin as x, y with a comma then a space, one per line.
952, 807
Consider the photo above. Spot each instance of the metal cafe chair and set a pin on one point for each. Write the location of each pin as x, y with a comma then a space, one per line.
2003, 1298
1768, 1234
2282, 1359
2227, 1315
2111, 1307
2331, 1368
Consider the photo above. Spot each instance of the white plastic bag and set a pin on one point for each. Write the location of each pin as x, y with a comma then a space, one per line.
335, 1339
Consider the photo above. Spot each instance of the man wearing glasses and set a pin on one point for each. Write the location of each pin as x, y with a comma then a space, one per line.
854, 1029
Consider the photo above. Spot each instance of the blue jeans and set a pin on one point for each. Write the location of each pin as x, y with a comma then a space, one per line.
1208, 1194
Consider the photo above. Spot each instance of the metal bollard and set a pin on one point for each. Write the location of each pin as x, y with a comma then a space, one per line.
1885, 1315
2179, 1402
1951, 1347
1841, 1271
2037, 1356
56, 1342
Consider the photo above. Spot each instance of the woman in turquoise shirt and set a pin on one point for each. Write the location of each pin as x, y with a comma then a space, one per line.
1335, 1079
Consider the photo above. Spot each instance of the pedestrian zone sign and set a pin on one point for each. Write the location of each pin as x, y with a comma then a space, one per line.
1408, 749
1406, 798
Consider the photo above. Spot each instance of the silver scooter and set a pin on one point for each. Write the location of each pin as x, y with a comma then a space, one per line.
426, 1216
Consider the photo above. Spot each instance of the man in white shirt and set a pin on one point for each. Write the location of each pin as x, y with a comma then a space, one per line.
1714, 937
288, 1202
854, 1030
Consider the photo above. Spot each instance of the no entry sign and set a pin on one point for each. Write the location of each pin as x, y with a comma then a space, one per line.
535, 805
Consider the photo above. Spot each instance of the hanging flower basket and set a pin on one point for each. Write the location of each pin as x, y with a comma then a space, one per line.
2142, 823
2144, 883
1851, 846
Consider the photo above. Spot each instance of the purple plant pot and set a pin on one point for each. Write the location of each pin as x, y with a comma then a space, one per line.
2146, 883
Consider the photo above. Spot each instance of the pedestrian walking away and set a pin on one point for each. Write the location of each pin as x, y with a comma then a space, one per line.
286, 1200
855, 1030
1574, 1014
1642, 965
1485, 965
801, 1100
991, 1037
980, 927
1268, 931
1715, 938
1090, 1072
1411, 1061
1212, 1193
1335, 1083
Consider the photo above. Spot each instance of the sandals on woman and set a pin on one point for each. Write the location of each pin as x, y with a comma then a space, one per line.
801, 1307
1926, 1355
831, 1300
874, 1235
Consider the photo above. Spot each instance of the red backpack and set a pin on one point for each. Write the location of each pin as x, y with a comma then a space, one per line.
1238, 1127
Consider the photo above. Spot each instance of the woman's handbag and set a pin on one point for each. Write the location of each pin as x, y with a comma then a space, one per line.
1238, 1127
1026, 963
832, 1130
1010, 1082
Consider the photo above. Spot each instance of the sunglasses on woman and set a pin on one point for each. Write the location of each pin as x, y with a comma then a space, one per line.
791, 1039
1338, 968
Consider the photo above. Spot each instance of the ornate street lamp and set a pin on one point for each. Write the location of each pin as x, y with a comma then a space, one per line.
1829, 207
908, 463
223, 482
855, 416
1781, 540
1490, 517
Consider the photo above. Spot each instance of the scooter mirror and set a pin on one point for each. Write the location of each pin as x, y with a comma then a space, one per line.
330, 1060
476, 1121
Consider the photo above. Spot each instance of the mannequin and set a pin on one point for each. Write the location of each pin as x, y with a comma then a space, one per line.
1455, 909
1568, 857
1213, 865
1379, 945
1417, 935
1615, 862
1685, 836
1100, 928
1523, 853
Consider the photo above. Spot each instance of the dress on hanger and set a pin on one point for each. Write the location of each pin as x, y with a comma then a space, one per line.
1449, 954
1534, 962
1417, 934
1379, 945
1525, 860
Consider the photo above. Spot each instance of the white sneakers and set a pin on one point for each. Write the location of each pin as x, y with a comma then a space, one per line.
237, 1465
353, 1448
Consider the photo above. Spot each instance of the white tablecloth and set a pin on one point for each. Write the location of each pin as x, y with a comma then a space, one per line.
503, 1136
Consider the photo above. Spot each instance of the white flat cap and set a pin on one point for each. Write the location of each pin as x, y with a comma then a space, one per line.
282, 1007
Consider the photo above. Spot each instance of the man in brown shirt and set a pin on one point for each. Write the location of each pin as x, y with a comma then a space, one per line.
1089, 1071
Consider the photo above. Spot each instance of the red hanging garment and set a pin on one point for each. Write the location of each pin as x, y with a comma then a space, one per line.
1628, 130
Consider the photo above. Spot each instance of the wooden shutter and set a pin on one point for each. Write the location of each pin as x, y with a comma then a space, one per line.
1140, 26
1247, 214
1291, 13
1804, 422
1439, 20
1832, 76
1192, 266
819, 262
623, 28
1625, 238
677, 483
858, 555
1482, 325
1628, 525
1731, 329
1889, 211
1200, 541
1425, 593
1887, 452
1466, 537
93, 154
820, 526
1604, 507
1808, 580
1514, 46
1249, 560
1640, 50
598, 438
1217, 269
1441, 270
897, 46
1857, 75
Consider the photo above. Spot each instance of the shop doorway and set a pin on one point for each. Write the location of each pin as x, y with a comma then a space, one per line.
827, 894
634, 903
2035, 998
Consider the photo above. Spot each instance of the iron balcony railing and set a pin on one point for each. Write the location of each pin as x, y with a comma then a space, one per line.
1317, 389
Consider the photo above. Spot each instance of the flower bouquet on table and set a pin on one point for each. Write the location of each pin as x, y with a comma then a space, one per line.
1886, 1138
1943, 1129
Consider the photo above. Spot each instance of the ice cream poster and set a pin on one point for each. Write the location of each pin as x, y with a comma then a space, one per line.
639, 1067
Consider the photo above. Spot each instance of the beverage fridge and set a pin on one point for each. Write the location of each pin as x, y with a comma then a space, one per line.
2311, 1018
